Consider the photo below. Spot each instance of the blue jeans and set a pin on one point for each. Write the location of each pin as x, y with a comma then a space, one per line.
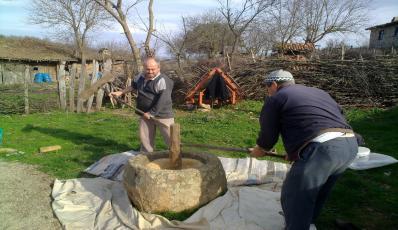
311, 178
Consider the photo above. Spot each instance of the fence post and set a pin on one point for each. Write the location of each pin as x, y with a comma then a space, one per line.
128, 82
61, 85
72, 79
1, 74
26, 89
93, 80
342, 52
82, 79
100, 94
229, 62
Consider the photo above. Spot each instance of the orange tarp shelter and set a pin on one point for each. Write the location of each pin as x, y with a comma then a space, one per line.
197, 94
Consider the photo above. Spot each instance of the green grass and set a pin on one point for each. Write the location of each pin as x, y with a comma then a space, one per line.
369, 198
366, 198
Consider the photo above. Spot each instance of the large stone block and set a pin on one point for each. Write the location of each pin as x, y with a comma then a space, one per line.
158, 190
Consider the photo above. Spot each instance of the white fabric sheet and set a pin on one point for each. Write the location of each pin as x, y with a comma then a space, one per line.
98, 203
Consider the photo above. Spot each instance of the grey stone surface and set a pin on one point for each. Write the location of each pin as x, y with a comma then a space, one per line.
153, 190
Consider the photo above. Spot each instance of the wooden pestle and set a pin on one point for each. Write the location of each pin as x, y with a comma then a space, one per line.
175, 143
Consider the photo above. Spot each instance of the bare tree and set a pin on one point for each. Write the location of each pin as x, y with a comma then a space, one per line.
116, 48
207, 34
150, 30
324, 17
239, 18
286, 18
258, 39
119, 11
64, 16
175, 42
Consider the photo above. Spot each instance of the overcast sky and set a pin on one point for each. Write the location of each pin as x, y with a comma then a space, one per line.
14, 14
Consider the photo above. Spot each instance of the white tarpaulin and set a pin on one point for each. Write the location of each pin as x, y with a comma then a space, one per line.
373, 160
98, 203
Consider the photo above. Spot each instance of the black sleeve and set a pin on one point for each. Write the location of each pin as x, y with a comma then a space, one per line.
269, 124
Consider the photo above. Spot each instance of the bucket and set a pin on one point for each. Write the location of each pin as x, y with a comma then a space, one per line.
1, 136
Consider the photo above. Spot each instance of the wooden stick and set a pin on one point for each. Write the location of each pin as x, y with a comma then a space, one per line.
132, 107
175, 143
232, 149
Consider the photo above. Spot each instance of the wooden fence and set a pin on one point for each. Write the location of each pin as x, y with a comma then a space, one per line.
62, 94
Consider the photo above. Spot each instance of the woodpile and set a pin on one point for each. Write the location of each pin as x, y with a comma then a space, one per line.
295, 48
368, 83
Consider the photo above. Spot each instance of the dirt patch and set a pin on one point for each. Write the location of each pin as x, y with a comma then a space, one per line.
25, 198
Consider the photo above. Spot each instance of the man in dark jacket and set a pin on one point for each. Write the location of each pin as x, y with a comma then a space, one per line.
154, 99
317, 139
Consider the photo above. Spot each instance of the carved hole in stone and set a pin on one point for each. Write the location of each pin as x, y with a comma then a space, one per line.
164, 163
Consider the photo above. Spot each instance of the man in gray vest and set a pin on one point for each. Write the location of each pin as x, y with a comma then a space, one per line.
154, 99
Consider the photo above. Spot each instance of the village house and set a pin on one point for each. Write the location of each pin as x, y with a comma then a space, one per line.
39, 56
384, 36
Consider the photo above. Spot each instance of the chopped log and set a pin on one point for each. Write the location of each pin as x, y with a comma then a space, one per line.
49, 148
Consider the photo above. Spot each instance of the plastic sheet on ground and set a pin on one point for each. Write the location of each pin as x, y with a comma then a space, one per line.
98, 203
373, 160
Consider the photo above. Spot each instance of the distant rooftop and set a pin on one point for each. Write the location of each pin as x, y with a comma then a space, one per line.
394, 21
32, 49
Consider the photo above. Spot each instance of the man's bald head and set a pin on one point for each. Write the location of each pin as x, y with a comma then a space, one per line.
151, 68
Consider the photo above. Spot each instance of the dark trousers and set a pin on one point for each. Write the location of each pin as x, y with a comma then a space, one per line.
311, 178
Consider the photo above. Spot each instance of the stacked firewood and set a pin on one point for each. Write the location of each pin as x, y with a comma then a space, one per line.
365, 83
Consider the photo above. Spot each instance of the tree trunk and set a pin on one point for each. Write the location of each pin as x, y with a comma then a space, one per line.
133, 46
179, 61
